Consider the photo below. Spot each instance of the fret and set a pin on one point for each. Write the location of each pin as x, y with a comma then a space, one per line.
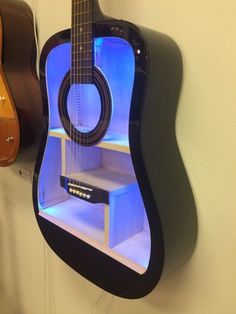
84, 51
76, 50
82, 43
87, 35
82, 30
81, 24
81, 59
84, 67
85, 6
82, 5
79, 2
81, 13
83, 75
80, 35
82, 47
82, 17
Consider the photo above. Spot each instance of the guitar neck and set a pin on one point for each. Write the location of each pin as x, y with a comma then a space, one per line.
82, 41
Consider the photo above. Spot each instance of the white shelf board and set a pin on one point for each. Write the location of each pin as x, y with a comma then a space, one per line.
86, 223
106, 179
113, 141
78, 218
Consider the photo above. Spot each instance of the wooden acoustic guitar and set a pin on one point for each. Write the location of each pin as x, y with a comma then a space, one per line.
110, 191
20, 97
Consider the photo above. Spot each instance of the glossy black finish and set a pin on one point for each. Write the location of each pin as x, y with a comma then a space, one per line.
157, 162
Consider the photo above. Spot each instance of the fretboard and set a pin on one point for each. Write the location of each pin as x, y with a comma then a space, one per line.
82, 41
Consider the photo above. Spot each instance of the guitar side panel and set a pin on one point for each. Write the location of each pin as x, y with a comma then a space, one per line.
161, 156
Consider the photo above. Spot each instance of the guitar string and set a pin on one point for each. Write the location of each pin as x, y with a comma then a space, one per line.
73, 97
90, 39
78, 92
80, 98
88, 82
82, 62
77, 102
81, 28
86, 19
89, 70
85, 24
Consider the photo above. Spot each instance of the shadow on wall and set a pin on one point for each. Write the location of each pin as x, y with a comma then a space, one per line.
168, 295
10, 297
166, 298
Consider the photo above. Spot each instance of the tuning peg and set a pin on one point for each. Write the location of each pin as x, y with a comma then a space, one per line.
10, 139
2, 98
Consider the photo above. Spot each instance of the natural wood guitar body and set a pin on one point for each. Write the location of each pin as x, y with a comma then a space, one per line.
20, 99
9, 124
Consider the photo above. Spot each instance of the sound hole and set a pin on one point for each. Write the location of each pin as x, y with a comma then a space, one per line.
73, 109
84, 106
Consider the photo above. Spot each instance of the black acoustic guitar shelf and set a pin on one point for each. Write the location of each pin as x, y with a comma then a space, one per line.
118, 207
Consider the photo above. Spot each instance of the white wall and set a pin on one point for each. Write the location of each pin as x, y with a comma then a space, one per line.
34, 281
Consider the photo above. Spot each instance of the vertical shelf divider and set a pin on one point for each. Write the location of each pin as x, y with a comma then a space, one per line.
106, 224
63, 156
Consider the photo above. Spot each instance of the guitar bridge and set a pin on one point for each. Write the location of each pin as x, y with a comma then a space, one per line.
84, 191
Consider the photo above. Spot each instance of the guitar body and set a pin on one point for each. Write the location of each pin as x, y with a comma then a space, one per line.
20, 98
116, 204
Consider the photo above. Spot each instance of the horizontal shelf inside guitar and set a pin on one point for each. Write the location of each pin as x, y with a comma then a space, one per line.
79, 218
113, 141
